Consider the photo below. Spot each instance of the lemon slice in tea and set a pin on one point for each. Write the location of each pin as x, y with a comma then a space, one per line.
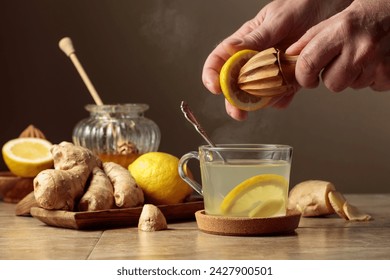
259, 196
228, 79
26, 157
268, 208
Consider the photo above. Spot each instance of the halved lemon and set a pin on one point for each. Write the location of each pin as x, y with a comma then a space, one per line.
259, 196
26, 157
228, 79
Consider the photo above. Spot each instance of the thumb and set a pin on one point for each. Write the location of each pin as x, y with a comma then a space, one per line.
247, 37
258, 39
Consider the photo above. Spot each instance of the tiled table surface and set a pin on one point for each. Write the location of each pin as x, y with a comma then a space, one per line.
316, 238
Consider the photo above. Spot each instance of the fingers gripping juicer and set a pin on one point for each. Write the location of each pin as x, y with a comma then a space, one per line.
269, 73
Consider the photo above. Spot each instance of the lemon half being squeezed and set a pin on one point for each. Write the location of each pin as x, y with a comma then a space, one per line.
259, 196
228, 79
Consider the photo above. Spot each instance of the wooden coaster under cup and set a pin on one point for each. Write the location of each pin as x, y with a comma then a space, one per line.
243, 226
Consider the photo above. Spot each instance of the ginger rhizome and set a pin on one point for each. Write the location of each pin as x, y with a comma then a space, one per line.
126, 191
319, 198
79, 181
152, 219
61, 187
311, 198
99, 194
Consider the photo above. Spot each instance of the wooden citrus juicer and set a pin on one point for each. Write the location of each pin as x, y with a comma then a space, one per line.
269, 73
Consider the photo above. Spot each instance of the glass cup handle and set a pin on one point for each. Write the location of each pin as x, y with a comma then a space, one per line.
182, 167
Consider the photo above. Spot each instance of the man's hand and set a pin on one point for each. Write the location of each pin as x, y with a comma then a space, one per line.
278, 24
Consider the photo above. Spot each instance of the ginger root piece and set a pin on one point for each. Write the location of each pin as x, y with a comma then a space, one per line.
354, 214
151, 219
317, 198
346, 210
126, 191
99, 194
337, 200
61, 187
311, 198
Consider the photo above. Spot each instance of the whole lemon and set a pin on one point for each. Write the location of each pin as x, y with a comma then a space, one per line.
156, 173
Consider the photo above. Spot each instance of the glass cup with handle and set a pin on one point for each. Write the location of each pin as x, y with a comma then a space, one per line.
242, 180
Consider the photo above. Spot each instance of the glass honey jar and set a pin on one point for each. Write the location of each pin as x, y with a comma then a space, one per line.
117, 133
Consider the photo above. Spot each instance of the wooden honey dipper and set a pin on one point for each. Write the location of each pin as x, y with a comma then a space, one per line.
269, 73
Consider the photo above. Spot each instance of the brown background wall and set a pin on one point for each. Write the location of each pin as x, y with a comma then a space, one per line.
153, 52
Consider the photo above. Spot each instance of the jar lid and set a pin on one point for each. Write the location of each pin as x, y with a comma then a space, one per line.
117, 108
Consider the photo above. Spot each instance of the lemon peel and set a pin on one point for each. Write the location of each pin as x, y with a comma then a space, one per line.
156, 173
228, 79
26, 157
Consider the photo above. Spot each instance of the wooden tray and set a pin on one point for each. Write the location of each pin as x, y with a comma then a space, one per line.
112, 218
240, 226
14, 188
